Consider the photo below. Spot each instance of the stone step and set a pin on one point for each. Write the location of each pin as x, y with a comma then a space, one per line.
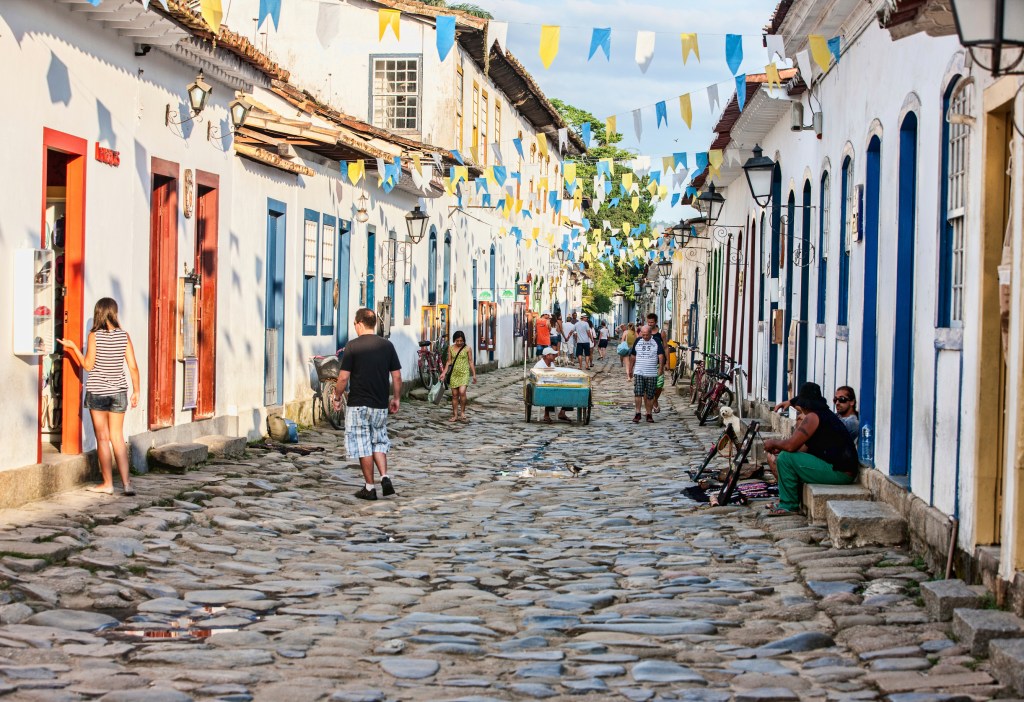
817, 496
856, 523
177, 457
221, 446
942, 597
1007, 659
974, 628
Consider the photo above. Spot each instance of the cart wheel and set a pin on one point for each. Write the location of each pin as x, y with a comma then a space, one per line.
528, 402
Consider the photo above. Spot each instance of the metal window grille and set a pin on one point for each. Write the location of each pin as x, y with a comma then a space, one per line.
484, 104
850, 225
309, 249
956, 199
396, 89
826, 207
327, 253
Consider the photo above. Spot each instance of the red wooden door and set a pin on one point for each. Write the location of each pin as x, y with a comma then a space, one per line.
163, 293
206, 265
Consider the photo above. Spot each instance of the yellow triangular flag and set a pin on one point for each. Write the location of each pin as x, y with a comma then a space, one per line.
627, 181
416, 163
819, 51
634, 203
474, 153
609, 127
529, 243
569, 173
577, 198
542, 184
356, 170
212, 13
666, 163
663, 192
686, 110
626, 229
542, 145
535, 233
549, 43
690, 44
385, 19
771, 72
462, 173
652, 188
715, 158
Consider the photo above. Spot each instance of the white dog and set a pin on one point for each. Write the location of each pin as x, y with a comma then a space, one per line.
730, 419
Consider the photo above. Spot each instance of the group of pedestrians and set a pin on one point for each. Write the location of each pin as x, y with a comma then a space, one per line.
577, 332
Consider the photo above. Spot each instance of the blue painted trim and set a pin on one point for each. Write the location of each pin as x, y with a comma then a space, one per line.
804, 348
277, 230
776, 224
432, 266
944, 286
822, 244
869, 340
344, 276
788, 313
843, 315
446, 283
371, 267
309, 282
327, 282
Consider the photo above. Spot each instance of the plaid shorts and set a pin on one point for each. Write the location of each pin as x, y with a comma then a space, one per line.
645, 386
366, 432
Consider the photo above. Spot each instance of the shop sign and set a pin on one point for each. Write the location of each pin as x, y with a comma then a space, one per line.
523, 289
508, 294
485, 296
108, 156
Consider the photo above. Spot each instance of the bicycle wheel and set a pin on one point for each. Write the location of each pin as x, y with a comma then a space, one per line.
726, 399
423, 367
675, 372
335, 416
694, 387
709, 407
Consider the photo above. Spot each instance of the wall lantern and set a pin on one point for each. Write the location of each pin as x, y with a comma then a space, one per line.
560, 255
198, 95
362, 215
759, 170
665, 267
416, 221
710, 204
992, 25
636, 287
238, 111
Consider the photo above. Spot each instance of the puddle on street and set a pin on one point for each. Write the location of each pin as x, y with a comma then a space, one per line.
184, 628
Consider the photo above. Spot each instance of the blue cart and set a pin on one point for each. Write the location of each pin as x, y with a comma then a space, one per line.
572, 394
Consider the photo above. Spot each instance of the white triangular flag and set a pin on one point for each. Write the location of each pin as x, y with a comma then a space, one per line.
644, 49
328, 18
563, 139
713, 96
496, 150
498, 32
638, 124
775, 45
803, 60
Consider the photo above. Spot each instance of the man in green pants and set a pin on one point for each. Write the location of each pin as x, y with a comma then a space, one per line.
820, 450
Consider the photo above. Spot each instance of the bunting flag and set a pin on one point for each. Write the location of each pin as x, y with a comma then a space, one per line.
498, 33
733, 52
638, 124
834, 47
388, 18
601, 38
569, 173
713, 97
212, 12
715, 158
585, 134
803, 60
644, 49
268, 8
542, 144
819, 51
356, 169
518, 143
776, 46
496, 150
686, 110
690, 44
563, 139
661, 110
328, 19
445, 25
679, 160
609, 128
771, 73
549, 34
702, 160
458, 156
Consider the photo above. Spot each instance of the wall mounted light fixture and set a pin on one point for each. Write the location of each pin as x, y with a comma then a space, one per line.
198, 95
238, 111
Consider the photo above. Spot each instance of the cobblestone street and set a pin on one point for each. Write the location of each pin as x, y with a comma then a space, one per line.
265, 578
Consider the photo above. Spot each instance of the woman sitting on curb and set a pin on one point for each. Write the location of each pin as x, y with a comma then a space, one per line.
820, 450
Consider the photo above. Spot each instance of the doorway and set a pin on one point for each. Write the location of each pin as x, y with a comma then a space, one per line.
63, 232
869, 344
207, 232
344, 256
163, 294
273, 363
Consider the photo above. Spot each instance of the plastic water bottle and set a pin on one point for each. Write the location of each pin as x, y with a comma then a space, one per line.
866, 447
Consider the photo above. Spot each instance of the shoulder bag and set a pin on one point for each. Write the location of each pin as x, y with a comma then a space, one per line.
451, 367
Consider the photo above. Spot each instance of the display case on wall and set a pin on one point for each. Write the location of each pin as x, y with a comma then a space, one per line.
33, 313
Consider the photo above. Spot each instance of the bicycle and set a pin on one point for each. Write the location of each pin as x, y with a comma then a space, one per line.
429, 363
720, 394
323, 377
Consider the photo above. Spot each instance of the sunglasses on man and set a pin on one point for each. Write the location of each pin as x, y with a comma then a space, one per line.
841, 398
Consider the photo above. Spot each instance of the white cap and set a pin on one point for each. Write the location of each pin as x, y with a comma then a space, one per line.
547, 351
545, 312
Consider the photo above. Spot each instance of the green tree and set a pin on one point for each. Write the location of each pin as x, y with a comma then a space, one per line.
620, 276
467, 7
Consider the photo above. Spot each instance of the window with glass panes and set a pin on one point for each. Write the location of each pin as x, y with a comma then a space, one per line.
327, 246
460, 97
310, 252
474, 116
396, 92
484, 104
955, 162
497, 122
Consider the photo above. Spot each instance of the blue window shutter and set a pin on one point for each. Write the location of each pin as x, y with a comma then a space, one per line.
309, 282
327, 276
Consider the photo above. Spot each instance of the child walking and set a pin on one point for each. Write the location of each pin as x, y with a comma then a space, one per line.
460, 360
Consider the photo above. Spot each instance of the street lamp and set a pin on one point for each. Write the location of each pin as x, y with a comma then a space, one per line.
759, 170
198, 92
416, 222
992, 25
664, 267
362, 215
710, 204
560, 255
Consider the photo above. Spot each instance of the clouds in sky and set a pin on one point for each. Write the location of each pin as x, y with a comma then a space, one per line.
618, 86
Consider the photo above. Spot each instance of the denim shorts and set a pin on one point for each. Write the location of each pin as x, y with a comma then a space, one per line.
107, 403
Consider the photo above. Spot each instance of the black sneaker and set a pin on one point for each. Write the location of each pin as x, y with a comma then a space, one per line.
636, 418
386, 487
365, 494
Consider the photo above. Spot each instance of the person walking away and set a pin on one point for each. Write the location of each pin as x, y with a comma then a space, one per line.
547, 362
106, 390
556, 331
652, 322
629, 336
365, 366
820, 450
646, 363
542, 332
569, 336
583, 342
460, 360
602, 340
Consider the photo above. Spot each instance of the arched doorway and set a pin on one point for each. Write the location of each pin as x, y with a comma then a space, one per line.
869, 342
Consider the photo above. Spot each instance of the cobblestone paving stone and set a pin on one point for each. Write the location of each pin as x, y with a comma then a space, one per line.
492, 575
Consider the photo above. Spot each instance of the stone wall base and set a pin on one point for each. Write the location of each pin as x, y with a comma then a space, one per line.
57, 473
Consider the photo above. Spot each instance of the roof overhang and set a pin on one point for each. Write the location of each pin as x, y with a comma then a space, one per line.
904, 18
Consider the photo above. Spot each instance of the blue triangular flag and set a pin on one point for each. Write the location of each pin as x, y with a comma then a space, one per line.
741, 90
675, 199
656, 177
661, 110
343, 166
458, 157
734, 51
615, 202
702, 160
445, 25
585, 129
586, 224
519, 147
679, 159
272, 9
500, 174
834, 47
604, 168
601, 38
486, 200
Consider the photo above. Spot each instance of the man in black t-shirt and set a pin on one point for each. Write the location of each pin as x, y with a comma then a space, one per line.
367, 362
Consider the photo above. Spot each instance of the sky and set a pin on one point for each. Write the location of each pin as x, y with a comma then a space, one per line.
618, 86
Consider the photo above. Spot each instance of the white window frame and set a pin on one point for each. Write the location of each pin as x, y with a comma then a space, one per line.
309, 252
327, 248
959, 151
378, 110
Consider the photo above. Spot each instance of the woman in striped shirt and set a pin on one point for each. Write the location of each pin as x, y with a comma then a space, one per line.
106, 390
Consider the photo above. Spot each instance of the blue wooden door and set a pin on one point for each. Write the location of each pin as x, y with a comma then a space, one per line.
371, 264
869, 343
273, 366
344, 257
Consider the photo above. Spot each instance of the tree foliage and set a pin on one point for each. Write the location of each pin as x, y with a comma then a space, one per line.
467, 7
620, 276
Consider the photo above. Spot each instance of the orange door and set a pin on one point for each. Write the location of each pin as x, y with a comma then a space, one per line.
206, 266
163, 293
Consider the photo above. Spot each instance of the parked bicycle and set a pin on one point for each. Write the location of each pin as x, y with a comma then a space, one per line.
323, 377
720, 392
430, 361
